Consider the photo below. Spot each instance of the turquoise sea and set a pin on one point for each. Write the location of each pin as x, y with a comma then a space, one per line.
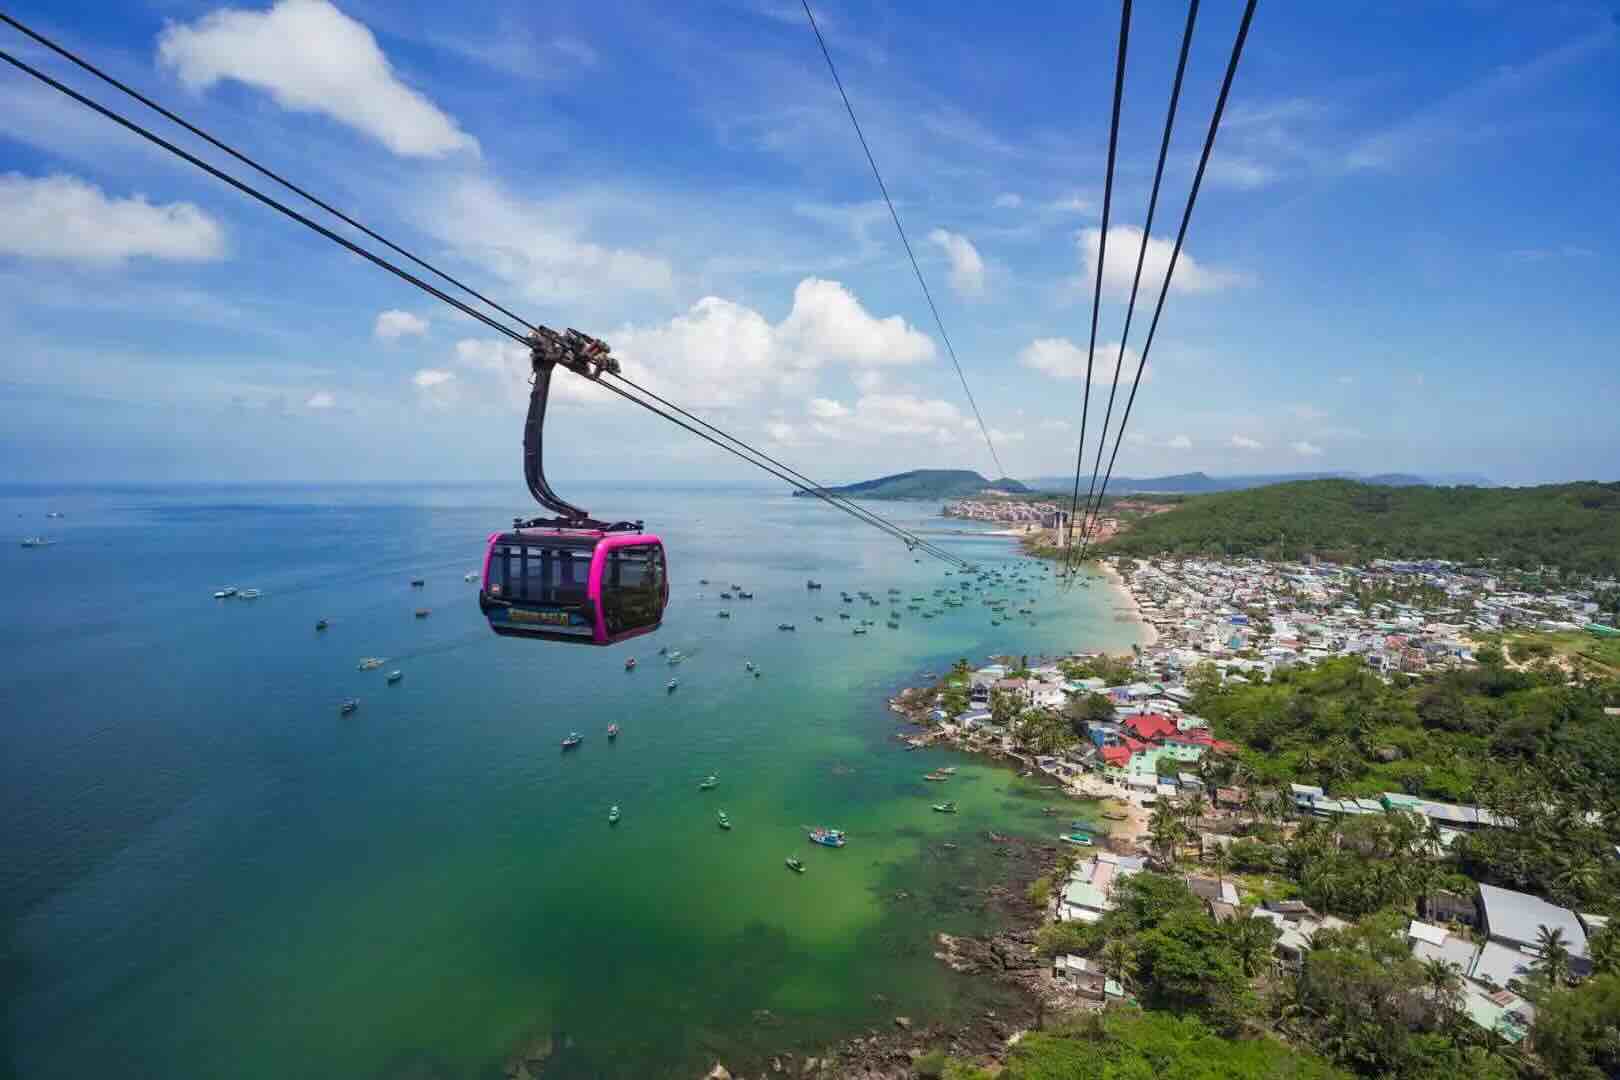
205, 871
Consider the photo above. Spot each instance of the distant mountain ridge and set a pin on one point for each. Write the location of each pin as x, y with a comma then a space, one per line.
924, 484
1197, 483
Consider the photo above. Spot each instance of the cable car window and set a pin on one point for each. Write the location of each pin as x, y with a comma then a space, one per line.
633, 587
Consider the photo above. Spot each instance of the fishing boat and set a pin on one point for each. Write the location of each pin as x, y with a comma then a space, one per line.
725, 596
417, 583
703, 581
748, 665
372, 663
670, 686
572, 739
1115, 815
348, 706
249, 594
860, 629
224, 594
820, 619
709, 783
843, 614
794, 864
812, 584
786, 626
471, 575
756, 673
662, 649
675, 657
827, 837
613, 731
1079, 839
735, 587
945, 808
745, 595
723, 821
613, 815
422, 612
723, 613
630, 664
948, 770
36, 541
321, 624
394, 677
937, 776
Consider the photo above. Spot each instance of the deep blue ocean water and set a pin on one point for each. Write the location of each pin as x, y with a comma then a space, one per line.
205, 871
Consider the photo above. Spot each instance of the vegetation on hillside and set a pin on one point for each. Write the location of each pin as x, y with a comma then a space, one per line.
924, 484
1575, 527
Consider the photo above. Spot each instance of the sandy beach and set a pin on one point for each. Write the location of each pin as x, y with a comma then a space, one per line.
1150, 636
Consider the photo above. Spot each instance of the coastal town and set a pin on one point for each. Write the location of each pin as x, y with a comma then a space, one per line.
1178, 801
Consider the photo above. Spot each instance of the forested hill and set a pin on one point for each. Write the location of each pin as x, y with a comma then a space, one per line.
924, 484
1570, 526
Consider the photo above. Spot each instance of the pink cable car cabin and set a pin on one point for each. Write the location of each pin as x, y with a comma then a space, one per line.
570, 578
585, 586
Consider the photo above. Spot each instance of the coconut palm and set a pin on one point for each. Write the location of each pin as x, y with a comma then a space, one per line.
1251, 940
1443, 985
1554, 960
1575, 879
1604, 949
1118, 961
1194, 808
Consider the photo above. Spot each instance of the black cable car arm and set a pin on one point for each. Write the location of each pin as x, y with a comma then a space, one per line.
583, 355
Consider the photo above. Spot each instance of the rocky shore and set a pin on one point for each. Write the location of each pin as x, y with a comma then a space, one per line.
1008, 957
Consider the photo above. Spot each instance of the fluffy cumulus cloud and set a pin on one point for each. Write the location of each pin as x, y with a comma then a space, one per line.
62, 217
1125, 244
880, 419
1179, 442
311, 57
1243, 442
967, 268
428, 378
538, 248
828, 323
1063, 359
394, 324
1307, 449
720, 354
1009, 200
321, 399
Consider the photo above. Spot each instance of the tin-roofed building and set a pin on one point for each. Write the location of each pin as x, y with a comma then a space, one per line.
1515, 920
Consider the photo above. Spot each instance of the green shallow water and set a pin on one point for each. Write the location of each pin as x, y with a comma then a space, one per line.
211, 874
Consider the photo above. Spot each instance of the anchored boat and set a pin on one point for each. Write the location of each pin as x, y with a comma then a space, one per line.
827, 837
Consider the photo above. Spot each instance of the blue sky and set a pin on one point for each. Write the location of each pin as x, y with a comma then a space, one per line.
1406, 255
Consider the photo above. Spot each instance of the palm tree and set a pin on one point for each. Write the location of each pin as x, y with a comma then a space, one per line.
1118, 961
1165, 832
1554, 959
1604, 949
1441, 979
1222, 863
1251, 940
1194, 808
1575, 879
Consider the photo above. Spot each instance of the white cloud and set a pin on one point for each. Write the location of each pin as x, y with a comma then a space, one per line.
535, 247
827, 409
967, 268
1073, 204
1244, 174
1243, 442
430, 377
1008, 200
321, 399
1308, 449
1136, 438
509, 363
1346, 380
1305, 411
1063, 359
62, 217
998, 436
1124, 245
1180, 442
1055, 425
310, 57
827, 321
394, 324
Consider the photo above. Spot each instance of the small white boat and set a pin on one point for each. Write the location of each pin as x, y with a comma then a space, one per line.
36, 541
471, 575
372, 663
395, 676
226, 593
249, 594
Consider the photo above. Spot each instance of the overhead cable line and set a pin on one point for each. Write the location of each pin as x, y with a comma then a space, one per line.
1088, 513
249, 162
860, 513
1001, 470
1102, 254
1181, 236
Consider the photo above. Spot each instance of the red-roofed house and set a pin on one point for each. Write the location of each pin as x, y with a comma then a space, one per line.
1153, 727
1116, 756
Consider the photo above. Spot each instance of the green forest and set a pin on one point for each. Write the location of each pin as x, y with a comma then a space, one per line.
1575, 527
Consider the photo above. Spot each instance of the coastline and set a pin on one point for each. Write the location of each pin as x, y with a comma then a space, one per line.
1146, 630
